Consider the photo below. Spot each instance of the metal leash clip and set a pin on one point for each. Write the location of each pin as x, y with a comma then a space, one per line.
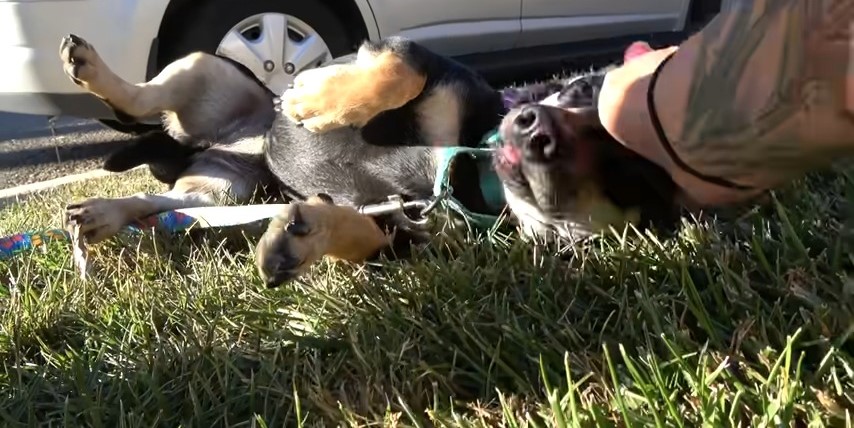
436, 200
397, 206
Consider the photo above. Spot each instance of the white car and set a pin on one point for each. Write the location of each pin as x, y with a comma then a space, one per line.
278, 38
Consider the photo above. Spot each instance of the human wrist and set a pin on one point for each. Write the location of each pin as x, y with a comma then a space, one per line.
623, 110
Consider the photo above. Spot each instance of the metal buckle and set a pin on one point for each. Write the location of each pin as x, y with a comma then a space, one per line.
397, 206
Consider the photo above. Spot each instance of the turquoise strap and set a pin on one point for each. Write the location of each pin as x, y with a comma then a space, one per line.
490, 184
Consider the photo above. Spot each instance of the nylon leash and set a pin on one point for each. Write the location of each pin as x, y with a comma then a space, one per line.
490, 184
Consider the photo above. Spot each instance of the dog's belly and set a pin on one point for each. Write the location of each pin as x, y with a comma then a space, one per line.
341, 164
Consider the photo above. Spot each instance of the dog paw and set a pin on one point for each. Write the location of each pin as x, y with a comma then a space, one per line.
352, 94
98, 218
80, 61
321, 100
305, 232
295, 239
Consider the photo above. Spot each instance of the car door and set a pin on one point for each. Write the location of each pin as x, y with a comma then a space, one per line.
451, 27
560, 21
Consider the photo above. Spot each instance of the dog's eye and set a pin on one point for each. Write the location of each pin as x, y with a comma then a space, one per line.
297, 228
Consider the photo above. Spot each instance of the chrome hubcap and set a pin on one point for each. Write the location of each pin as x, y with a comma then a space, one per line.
276, 47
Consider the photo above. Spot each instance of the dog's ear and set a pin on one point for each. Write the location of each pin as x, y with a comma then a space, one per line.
321, 198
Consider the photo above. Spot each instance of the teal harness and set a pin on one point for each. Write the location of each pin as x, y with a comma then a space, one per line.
490, 184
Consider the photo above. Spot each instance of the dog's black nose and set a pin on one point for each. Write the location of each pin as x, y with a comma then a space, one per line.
541, 147
534, 133
526, 121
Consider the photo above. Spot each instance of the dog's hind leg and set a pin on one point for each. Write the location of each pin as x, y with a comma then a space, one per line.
199, 92
101, 218
384, 76
220, 175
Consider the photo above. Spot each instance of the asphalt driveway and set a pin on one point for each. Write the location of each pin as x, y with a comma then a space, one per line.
31, 152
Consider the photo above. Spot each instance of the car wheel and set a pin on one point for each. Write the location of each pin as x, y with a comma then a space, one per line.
275, 40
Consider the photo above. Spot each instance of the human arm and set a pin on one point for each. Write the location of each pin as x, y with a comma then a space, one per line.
761, 95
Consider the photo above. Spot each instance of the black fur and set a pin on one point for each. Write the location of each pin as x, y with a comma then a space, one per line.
388, 156
632, 181
166, 157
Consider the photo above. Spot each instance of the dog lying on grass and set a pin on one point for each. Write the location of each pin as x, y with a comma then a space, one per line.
356, 131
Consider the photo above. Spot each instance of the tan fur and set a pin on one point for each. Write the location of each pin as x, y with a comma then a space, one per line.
441, 103
180, 92
335, 231
351, 94
195, 94
218, 177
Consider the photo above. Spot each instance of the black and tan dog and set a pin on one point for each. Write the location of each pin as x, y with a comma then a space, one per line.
355, 132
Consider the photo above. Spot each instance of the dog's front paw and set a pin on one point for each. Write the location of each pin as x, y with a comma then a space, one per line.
295, 239
97, 218
322, 100
305, 232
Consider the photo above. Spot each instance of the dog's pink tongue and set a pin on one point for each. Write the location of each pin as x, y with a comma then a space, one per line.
635, 50
510, 155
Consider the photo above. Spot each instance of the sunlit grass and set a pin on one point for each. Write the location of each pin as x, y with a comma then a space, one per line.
744, 321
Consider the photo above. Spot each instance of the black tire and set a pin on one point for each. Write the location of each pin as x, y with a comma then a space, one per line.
202, 27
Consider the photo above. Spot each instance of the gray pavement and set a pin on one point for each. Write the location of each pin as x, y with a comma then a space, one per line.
30, 152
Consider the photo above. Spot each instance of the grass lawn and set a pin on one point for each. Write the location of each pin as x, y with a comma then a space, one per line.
747, 321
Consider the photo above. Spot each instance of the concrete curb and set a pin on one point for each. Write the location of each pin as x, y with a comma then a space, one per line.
20, 193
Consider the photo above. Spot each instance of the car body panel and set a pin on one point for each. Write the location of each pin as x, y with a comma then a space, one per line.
451, 27
547, 22
37, 47
369, 19
124, 31
34, 48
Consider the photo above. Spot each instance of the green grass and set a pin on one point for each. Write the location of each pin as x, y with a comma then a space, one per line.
746, 321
